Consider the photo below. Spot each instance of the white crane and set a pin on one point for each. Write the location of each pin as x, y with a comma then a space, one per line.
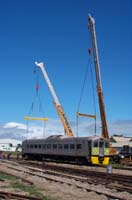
58, 106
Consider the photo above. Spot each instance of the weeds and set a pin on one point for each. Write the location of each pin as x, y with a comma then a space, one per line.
6, 176
31, 190
15, 184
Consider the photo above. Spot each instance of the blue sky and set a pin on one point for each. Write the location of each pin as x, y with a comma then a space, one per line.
56, 32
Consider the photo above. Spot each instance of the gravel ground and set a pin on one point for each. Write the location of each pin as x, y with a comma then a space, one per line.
64, 191
95, 168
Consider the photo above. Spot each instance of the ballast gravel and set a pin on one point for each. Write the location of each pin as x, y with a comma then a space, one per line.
66, 189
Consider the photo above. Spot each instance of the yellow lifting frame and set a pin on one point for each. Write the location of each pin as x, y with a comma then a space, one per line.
36, 118
86, 115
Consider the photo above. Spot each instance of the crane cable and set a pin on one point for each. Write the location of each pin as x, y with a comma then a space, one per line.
94, 104
85, 77
40, 103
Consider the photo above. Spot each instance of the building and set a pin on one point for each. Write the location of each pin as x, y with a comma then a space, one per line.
9, 144
120, 141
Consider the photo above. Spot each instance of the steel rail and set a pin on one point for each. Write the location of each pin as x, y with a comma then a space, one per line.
85, 179
9, 195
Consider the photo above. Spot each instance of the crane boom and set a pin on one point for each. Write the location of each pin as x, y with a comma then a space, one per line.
58, 106
91, 25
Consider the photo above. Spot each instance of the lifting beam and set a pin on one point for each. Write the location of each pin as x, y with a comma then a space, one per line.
36, 118
86, 115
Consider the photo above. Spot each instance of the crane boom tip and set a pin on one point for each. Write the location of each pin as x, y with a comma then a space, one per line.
91, 19
39, 64
89, 15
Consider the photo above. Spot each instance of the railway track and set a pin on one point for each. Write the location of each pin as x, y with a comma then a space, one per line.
14, 196
115, 181
122, 167
78, 178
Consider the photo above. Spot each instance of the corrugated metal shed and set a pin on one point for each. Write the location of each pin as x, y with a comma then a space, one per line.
120, 141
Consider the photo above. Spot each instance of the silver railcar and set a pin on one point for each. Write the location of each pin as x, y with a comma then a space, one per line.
93, 150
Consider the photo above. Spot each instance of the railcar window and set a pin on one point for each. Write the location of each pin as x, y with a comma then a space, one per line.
101, 144
39, 145
65, 146
59, 146
36, 146
44, 146
31, 145
48, 146
54, 146
95, 144
89, 143
78, 146
72, 146
27, 145
89, 147
106, 145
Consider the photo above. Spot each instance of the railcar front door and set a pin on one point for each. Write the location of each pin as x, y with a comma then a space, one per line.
89, 151
89, 148
101, 148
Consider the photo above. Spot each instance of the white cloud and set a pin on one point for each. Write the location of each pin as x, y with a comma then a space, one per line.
18, 131
14, 125
123, 127
34, 130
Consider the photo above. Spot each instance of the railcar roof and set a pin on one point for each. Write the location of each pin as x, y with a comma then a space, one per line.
62, 137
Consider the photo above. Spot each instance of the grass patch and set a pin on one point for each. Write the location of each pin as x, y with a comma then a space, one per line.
16, 185
31, 190
118, 165
6, 176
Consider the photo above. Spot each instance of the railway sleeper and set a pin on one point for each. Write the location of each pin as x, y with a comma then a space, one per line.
9, 195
